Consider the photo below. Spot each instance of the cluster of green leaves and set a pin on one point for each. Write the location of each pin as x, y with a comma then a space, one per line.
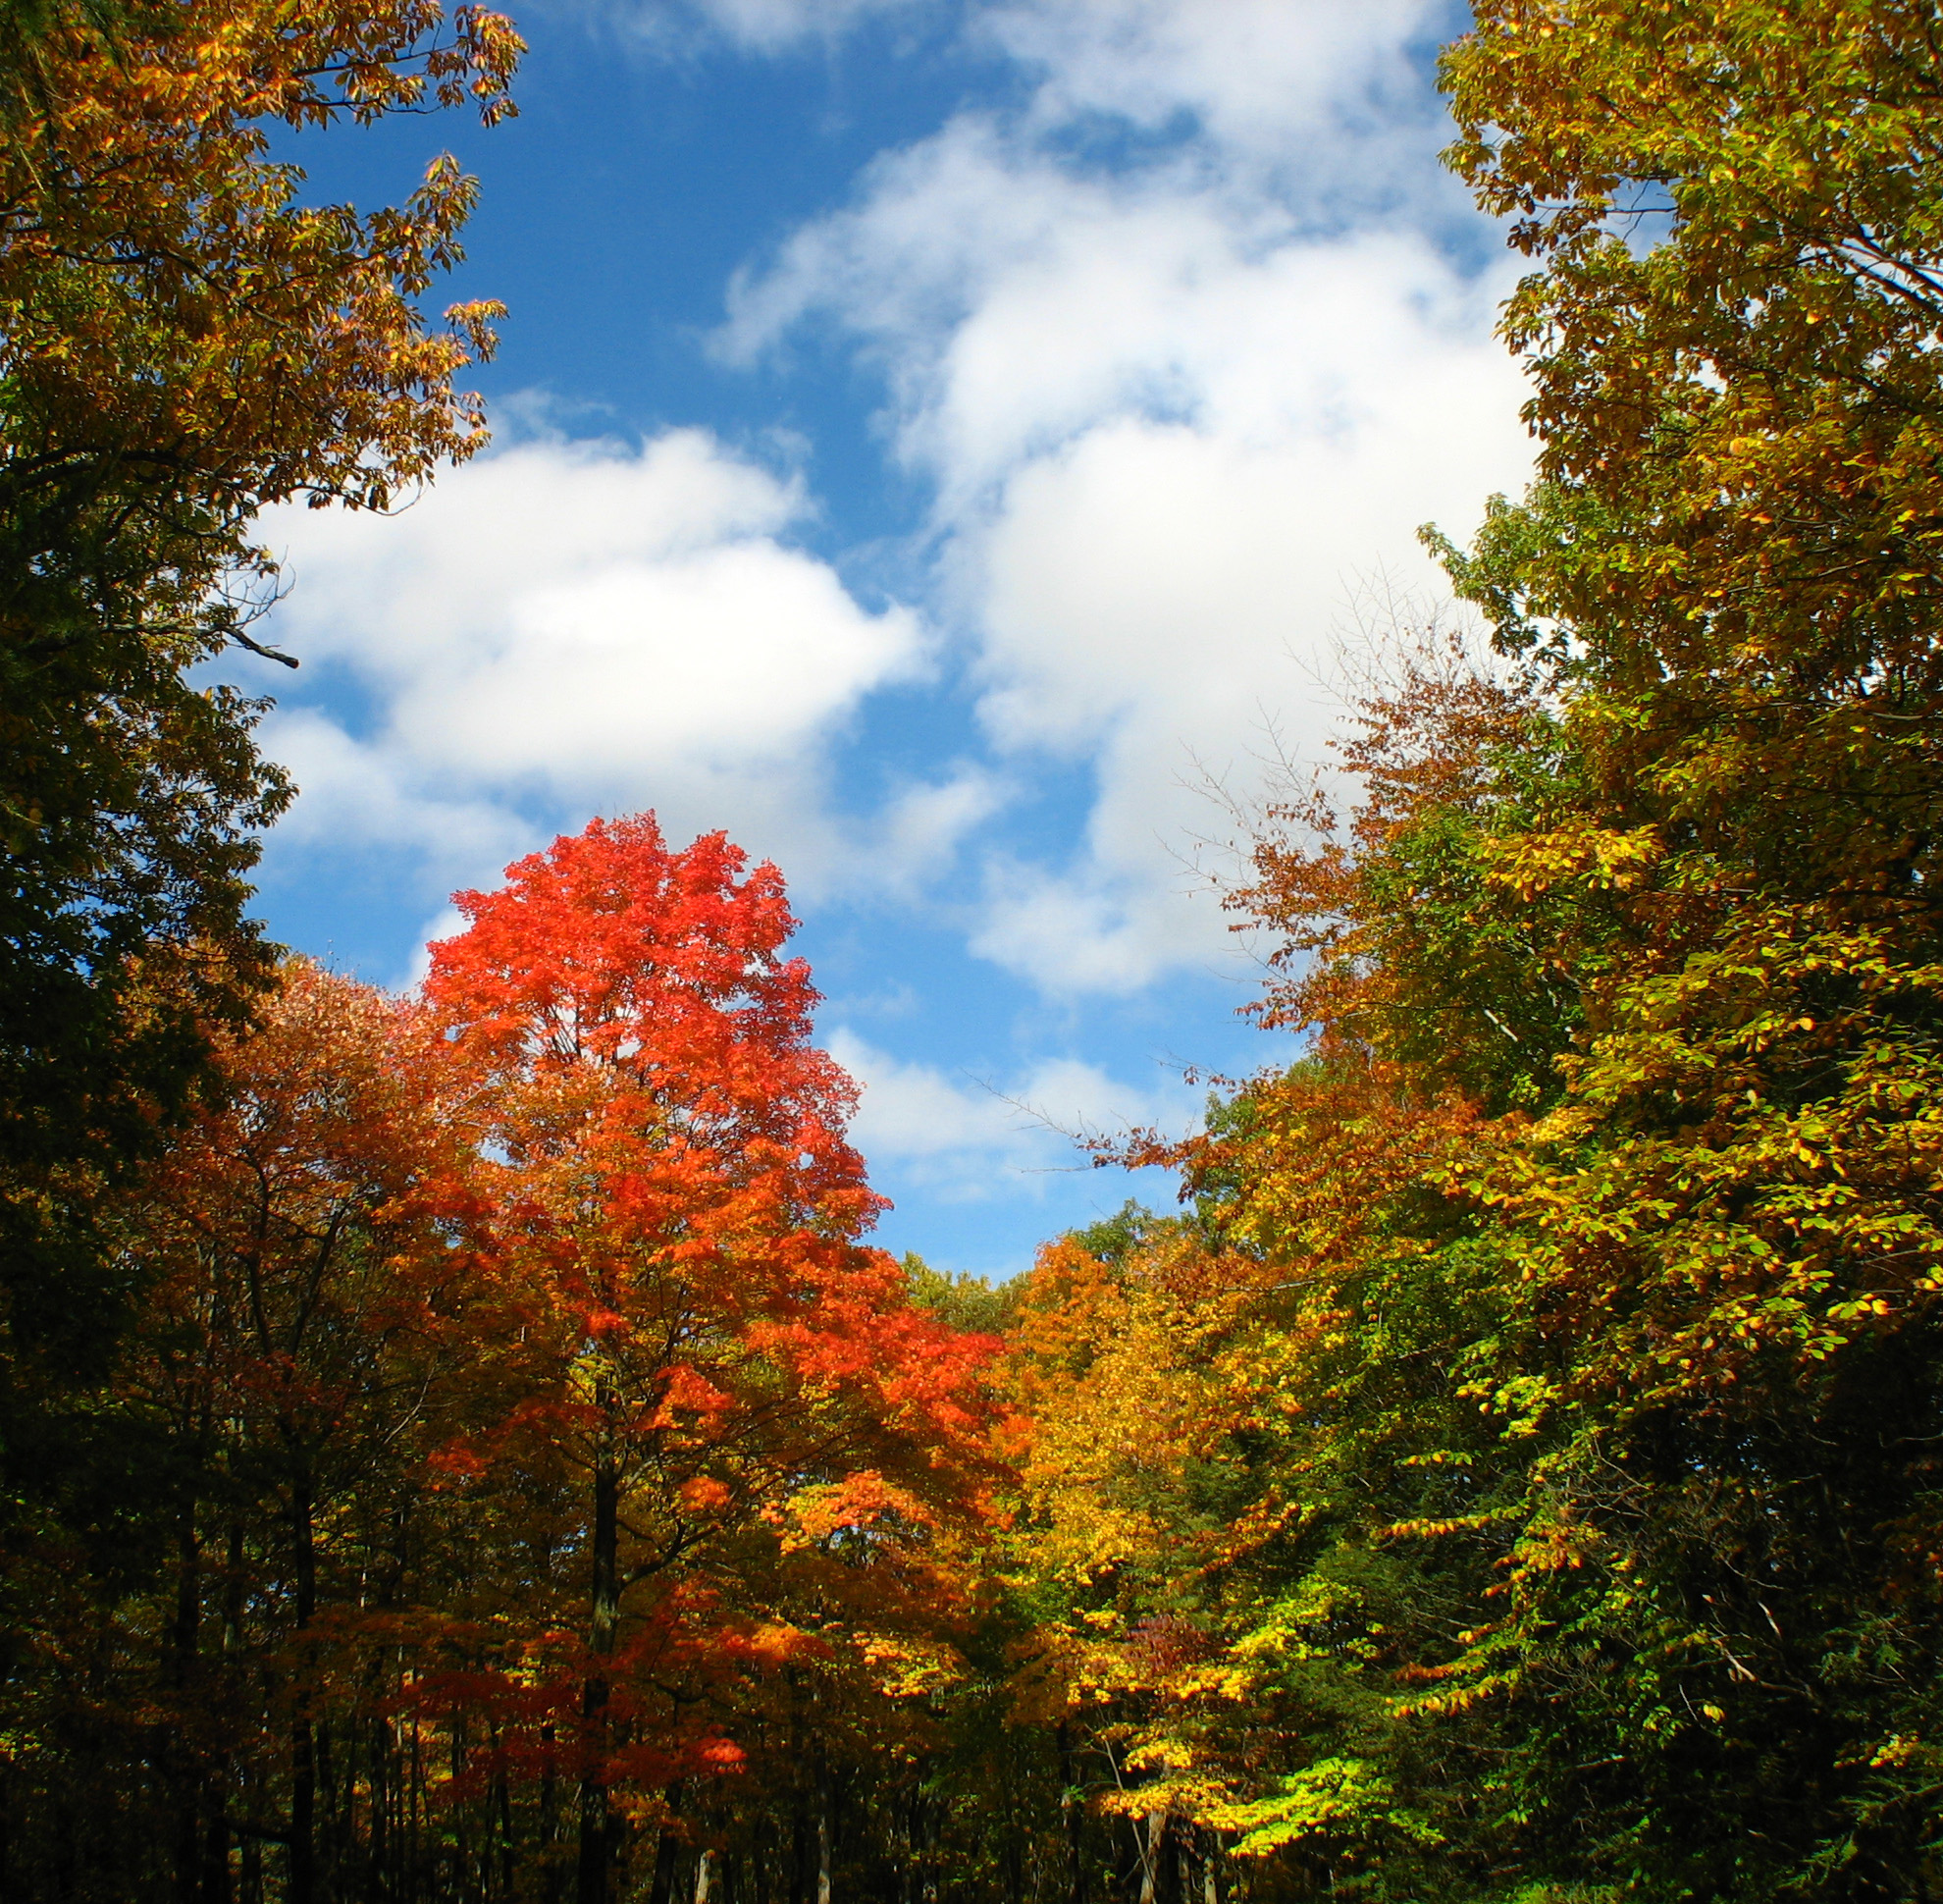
1591, 1260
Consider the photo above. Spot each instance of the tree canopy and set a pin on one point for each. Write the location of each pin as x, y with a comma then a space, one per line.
182, 339
1510, 1475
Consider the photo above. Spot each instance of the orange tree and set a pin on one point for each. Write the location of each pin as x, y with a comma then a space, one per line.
1646, 914
1606, 1215
757, 1441
1261, 1509
1515, 1484
207, 1637
1215, 1450
182, 340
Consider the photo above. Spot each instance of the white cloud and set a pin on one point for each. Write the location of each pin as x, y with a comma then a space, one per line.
1258, 76
761, 26
1262, 77
1174, 406
923, 827
1171, 430
1089, 933
446, 923
352, 794
568, 627
969, 1140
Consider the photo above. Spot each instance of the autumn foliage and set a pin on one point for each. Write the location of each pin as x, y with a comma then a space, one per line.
720, 1380
1596, 1234
182, 340
526, 1448
467, 1446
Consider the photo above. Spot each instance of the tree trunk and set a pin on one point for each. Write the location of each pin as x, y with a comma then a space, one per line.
303, 1766
215, 1887
667, 1856
1154, 1854
549, 1884
705, 1876
1164, 1848
668, 1852
182, 1639
1074, 1813
824, 1830
64, 1853
799, 1848
503, 1821
596, 1824
251, 1886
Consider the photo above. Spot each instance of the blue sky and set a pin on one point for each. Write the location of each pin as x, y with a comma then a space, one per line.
932, 437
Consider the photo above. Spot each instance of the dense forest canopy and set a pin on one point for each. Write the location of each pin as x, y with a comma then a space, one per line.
465, 1444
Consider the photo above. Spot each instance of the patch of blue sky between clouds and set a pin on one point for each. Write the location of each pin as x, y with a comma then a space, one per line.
933, 438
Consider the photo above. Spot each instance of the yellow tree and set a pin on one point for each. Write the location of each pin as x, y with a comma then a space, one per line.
1730, 575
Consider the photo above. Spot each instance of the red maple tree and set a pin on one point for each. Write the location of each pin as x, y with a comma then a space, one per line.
730, 1374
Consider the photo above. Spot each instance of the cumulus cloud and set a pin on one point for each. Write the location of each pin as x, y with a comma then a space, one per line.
353, 793
969, 1141
923, 825
1175, 396
761, 26
1171, 428
1079, 933
1256, 74
564, 627
1263, 80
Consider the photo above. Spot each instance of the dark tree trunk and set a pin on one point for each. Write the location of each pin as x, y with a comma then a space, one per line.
550, 1799
799, 1850
503, 1821
1073, 1813
596, 1822
215, 1886
184, 1773
252, 1870
667, 1857
303, 1760
825, 1829
64, 1853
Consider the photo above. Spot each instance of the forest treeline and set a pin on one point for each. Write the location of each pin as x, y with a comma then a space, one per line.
465, 1445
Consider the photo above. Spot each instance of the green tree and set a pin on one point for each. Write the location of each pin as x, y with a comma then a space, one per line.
1726, 1223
